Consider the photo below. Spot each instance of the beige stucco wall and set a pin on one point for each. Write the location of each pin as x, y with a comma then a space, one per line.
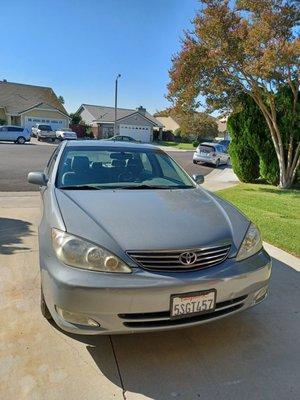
169, 123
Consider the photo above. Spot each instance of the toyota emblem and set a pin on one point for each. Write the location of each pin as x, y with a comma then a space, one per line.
188, 258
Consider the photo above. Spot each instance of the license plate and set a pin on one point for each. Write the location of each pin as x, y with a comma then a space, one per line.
189, 304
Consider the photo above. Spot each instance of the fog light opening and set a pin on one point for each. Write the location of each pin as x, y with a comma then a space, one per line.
75, 318
260, 294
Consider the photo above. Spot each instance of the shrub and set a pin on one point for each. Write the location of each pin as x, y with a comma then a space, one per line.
195, 143
248, 129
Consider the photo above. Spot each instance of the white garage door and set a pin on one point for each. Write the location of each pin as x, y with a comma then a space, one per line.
142, 133
54, 123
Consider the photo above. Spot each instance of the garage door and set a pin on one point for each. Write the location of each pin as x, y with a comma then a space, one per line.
142, 133
54, 123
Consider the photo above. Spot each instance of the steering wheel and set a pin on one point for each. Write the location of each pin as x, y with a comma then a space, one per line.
126, 177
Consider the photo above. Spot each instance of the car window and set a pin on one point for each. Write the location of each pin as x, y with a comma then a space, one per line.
45, 128
206, 149
116, 167
14, 129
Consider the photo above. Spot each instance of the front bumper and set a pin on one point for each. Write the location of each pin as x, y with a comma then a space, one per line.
140, 301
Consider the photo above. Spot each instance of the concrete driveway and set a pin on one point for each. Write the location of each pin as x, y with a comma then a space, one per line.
253, 355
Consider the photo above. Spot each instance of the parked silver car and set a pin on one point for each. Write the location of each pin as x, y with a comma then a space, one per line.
130, 243
211, 153
66, 134
13, 133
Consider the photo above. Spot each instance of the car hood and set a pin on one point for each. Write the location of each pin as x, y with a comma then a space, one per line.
151, 219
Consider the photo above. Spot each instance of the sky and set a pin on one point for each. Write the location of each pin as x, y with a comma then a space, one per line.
77, 47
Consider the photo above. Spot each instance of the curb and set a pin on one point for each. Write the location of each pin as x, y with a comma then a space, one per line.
282, 256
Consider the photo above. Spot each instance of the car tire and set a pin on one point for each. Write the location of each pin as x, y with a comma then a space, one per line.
195, 162
21, 140
44, 309
217, 163
39, 139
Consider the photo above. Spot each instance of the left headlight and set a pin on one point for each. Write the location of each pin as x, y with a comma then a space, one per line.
79, 253
251, 244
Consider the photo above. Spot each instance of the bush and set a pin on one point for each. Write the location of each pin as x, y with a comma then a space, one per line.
244, 159
2, 121
248, 129
195, 143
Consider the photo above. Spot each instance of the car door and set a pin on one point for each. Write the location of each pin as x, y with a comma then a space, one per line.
221, 154
3, 132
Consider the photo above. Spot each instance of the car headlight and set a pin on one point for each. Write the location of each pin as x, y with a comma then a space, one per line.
80, 253
251, 243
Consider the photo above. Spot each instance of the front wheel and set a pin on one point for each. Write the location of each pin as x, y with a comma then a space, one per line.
44, 309
21, 140
217, 163
194, 162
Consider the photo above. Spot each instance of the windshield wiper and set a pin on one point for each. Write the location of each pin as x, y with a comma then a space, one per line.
154, 187
79, 187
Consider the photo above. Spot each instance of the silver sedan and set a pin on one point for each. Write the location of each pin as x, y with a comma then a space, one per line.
130, 243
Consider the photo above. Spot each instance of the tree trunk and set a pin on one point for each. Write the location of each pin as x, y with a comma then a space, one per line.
287, 168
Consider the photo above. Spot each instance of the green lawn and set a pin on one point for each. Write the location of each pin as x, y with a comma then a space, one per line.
276, 212
183, 146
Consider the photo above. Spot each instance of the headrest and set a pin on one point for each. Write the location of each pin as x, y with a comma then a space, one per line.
134, 163
97, 165
80, 163
118, 163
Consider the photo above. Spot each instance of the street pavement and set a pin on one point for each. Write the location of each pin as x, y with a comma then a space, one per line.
17, 160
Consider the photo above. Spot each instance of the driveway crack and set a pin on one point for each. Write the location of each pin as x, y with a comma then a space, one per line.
118, 368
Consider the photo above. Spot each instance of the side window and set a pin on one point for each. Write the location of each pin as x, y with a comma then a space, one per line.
14, 129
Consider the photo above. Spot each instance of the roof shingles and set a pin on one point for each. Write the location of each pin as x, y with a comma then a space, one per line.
18, 97
107, 114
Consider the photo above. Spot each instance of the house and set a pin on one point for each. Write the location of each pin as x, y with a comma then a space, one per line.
27, 105
222, 127
137, 124
169, 123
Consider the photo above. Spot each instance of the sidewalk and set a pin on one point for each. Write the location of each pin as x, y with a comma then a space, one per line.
220, 179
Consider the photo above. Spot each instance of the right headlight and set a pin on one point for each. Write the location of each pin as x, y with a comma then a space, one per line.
251, 244
80, 253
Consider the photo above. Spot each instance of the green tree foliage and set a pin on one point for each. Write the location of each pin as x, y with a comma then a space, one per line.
248, 129
244, 159
250, 47
75, 119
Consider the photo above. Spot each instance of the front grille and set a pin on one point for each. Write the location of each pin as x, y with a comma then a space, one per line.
170, 259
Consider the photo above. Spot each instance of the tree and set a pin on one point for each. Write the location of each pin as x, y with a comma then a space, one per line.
75, 118
198, 124
244, 46
61, 99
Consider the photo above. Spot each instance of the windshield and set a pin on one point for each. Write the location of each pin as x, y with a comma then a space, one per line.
45, 128
116, 167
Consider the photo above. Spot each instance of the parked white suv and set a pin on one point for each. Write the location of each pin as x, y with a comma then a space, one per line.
13, 133
211, 153
43, 132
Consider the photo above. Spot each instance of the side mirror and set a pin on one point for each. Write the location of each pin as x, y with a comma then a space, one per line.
198, 178
37, 178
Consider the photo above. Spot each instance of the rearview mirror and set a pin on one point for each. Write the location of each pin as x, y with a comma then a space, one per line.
198, 178
37, 178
